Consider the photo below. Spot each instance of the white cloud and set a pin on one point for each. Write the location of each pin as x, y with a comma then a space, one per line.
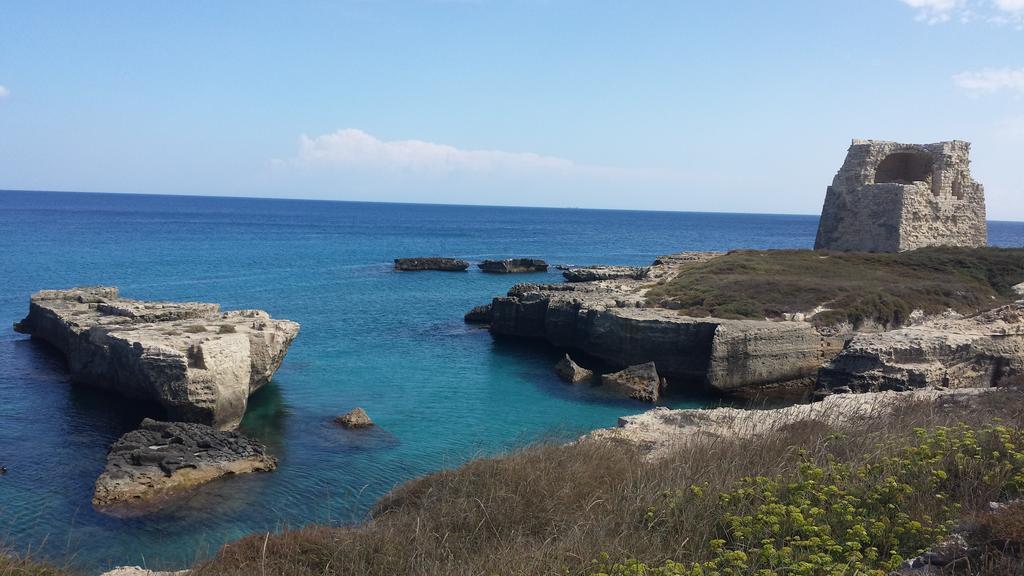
998, 12
4, 92
935, 11
990, 80
355, 149
352, 164
1012, 6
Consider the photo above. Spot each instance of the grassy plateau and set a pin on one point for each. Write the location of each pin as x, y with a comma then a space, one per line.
851, 287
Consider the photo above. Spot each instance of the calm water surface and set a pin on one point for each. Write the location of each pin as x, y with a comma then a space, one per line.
393, 343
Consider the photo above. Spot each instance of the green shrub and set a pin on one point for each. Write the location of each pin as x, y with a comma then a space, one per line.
195, 329
226, 329
841, 518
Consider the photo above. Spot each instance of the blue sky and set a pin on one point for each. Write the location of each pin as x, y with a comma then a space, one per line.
721, 106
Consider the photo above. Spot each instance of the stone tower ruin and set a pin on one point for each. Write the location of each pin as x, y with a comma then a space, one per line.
891, 197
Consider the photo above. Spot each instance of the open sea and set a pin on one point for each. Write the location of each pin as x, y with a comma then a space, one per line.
395, 343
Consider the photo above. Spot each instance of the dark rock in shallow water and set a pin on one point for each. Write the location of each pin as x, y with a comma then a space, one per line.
513, 266
431, 263
199, 363
147, 467
479, 315
356, 418
572, 372
641, 382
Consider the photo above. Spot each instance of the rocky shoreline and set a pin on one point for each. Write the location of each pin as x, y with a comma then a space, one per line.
605, 313
611, 319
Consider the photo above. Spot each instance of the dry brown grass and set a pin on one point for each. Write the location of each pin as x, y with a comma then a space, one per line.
552, 509
12, 565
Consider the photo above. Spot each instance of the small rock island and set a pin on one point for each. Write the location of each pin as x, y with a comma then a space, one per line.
431, 263
160, 460
513, 266
197, 362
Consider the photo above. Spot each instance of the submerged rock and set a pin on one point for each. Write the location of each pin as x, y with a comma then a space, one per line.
355, 418
147, 467
641, 382
479, 315
199, 363
513, 266
572, 372
431, 263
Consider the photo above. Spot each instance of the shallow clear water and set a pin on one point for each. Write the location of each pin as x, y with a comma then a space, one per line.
393, 343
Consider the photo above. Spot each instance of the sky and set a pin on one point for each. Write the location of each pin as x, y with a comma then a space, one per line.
738, 106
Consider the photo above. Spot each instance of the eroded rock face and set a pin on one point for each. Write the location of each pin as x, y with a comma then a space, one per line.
594, 273
641, 382
975, 352
479, 315
355, 418
149, 466
513, 266
199, 363
572, 372
431, 263
610, 320
890, 197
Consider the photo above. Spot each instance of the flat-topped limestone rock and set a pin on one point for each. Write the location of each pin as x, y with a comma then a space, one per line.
199, 363
431, 263
513, 266
610, 319
593, 273
147, 467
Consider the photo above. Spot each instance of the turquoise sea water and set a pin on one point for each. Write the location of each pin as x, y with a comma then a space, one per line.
391, 342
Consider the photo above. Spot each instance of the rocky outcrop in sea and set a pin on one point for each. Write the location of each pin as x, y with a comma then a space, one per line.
513, 266
148, 467
431, 263
640, 382
572, 372
197, 362
355, 418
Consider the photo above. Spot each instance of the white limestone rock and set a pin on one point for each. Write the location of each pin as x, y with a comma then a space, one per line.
200, 364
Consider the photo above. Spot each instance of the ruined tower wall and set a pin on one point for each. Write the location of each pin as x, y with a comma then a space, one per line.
890, 197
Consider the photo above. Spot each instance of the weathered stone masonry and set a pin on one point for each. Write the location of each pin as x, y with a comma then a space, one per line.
891, 197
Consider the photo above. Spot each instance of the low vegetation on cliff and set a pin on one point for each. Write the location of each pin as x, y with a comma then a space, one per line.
852, 287
806, 499
13, 565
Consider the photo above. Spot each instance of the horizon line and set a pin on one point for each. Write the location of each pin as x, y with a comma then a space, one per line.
400, 203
